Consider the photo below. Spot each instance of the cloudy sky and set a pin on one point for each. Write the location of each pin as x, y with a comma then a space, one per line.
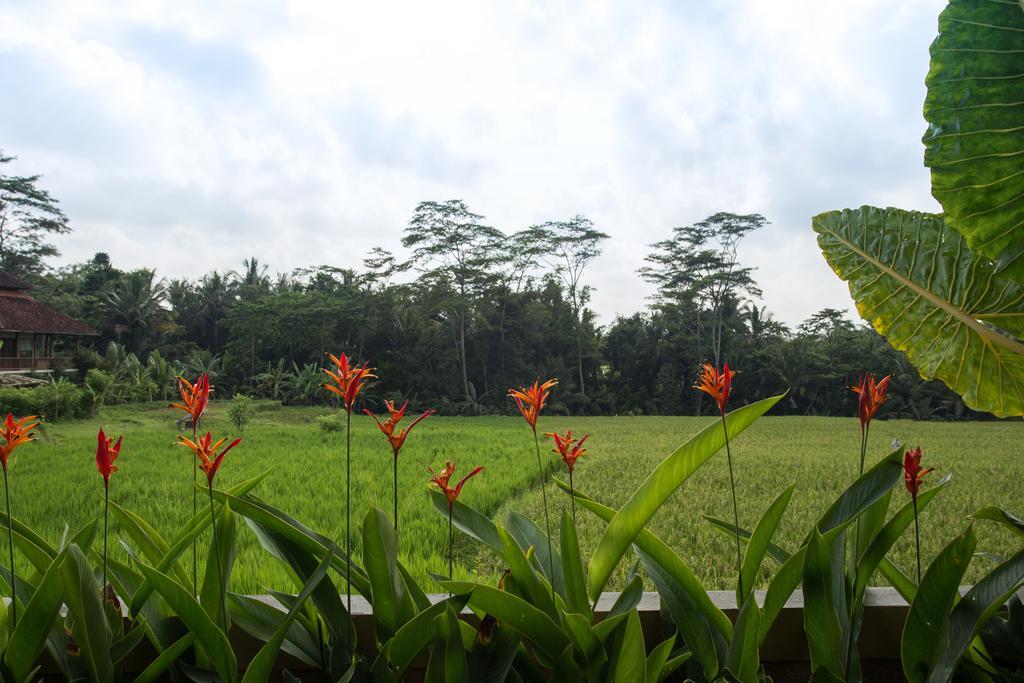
188, 138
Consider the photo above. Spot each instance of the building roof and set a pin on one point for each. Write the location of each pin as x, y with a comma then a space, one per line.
8, 281
24, 314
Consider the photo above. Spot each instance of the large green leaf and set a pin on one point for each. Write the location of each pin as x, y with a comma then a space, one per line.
220, 561
91, 629
260, 619
260, 667
668, 476
572, 568
467, 520
211, 639
924, 635
447, 662
534, 624
35, 622
974, 144
662, 555
400, 651
974, 610
392, 605
158, 666
628, 662
168, 560
296, 532
759, 542
890, 533
821, 614
920, 286
1007, 519
743, 658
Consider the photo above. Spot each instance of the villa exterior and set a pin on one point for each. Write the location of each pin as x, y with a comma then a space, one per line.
30, 328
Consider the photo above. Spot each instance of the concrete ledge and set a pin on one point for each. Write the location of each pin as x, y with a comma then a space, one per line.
784, 652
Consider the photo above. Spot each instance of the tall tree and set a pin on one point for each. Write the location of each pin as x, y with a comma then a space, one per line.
136, 308
572, 246
28, 216
450, 244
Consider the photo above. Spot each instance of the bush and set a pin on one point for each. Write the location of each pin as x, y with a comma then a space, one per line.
97, 386
53, 401
240, 411
330, 423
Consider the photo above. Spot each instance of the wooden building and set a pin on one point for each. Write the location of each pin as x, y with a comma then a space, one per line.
29, 330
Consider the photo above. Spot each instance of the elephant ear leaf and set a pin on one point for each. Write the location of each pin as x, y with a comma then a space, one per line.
974, 144
919, 285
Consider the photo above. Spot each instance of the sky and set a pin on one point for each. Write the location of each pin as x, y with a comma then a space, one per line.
187, 136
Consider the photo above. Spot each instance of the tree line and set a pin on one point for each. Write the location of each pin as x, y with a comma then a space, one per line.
467, 311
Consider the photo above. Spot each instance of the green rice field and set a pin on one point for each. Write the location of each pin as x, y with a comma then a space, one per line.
55, 483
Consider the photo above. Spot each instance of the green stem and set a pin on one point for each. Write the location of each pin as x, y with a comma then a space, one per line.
195, 509
856, 550
572, 498
735, 508
348, 508
395, 493
10, 545
221, 613
917, 540
451, 545
547, 520
106, 514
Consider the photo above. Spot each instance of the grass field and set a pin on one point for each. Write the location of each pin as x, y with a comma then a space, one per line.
55, 482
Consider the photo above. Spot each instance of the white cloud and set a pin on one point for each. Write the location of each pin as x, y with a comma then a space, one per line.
188, 137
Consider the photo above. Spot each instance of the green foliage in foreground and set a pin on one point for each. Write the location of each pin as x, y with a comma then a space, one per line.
55, 483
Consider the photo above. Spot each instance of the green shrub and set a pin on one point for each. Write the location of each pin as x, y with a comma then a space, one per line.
54, 401
240, 411
330, 423
97, 386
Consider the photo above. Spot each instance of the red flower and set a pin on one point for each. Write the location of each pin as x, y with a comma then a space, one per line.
568, 447
531, 400
16, 433
209, 458
348, 381
716, 384
394, 417
106, 454
194, 397
441, 480
870, 397
912, 472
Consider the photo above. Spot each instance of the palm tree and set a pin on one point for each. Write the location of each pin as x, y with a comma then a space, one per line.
162, 373
254, 281
215, 299
136, 306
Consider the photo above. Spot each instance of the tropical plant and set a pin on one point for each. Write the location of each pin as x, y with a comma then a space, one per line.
240, 411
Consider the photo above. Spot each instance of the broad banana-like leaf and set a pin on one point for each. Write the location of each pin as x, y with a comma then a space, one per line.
920, 286
974, 144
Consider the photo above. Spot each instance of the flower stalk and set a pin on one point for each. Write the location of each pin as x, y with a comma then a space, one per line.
396, 440
210, 456
913, 475
442, 480
530, 401
107, 452
570, 449
194, 400
718, 385
15, 433
346, 381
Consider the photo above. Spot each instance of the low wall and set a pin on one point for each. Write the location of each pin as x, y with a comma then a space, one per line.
784, 654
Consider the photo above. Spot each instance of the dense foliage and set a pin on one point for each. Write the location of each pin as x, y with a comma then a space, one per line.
266, 337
